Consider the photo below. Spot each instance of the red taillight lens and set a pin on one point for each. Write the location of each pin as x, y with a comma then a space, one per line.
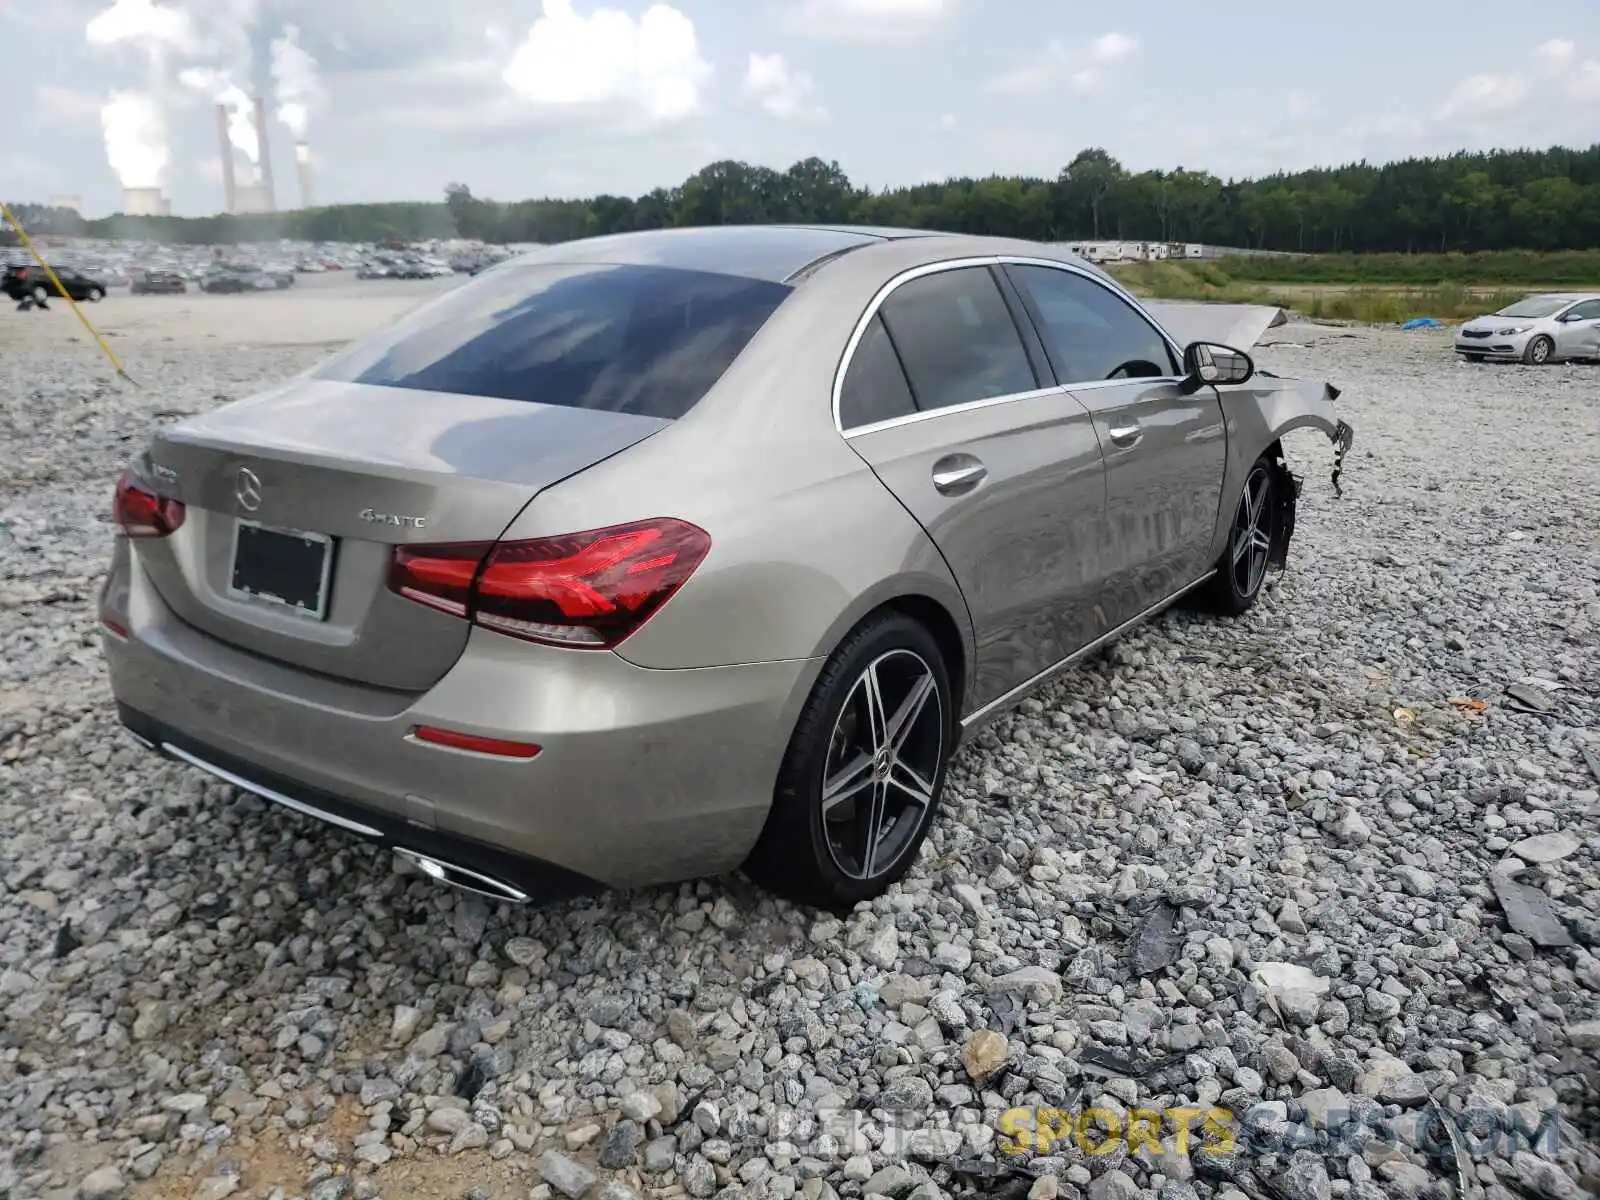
142, 513
456, 740
584, 590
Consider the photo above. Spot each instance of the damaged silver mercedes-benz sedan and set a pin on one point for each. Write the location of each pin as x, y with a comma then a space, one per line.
644, 557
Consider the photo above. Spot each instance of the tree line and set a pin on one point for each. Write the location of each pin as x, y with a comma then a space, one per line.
1538, 200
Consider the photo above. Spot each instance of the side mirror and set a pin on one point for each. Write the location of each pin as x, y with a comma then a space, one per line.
1209, 363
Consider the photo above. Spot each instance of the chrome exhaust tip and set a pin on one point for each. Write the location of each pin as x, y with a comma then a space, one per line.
463, 879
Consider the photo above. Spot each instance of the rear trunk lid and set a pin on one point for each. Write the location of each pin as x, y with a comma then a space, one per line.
364, 469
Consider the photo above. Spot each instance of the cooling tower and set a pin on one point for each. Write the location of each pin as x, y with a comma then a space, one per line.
145, 202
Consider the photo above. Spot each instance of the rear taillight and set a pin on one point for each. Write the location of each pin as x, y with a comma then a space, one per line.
141, 513
584, 590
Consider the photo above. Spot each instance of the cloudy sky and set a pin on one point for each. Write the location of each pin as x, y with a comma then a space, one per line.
522, 98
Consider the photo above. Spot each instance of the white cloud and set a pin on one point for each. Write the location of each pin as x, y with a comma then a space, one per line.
1558, 52
1083, 68
946, 123
1479, 96
882, 21
781, 90
647, 69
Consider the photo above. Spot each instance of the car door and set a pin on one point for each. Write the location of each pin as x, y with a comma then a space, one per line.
942, 396
1578, 332
1165, 451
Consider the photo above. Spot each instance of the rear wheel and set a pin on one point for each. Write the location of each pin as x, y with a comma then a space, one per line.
1539, 351
864, 769
41, 295
96, 295
1242, 569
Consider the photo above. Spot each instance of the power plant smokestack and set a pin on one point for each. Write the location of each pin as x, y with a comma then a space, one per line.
230, 186
265, 176
302, 166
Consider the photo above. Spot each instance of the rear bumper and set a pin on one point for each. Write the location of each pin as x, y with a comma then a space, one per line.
645, 776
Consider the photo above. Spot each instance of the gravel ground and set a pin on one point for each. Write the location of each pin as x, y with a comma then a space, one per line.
1264, 865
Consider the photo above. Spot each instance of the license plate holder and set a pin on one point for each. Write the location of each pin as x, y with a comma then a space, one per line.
289, 569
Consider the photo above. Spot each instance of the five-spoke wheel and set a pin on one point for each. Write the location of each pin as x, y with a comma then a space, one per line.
1242, 569
861, 779
883, 758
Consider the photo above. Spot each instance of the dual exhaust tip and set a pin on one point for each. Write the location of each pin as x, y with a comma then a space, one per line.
439, 870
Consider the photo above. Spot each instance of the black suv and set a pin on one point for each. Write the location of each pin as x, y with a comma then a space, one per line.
152, 283
33, 283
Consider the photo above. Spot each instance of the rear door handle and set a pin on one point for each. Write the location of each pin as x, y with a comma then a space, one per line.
958, 473
1126, 436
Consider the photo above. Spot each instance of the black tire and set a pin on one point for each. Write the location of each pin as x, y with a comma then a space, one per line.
1240, 575
1539, 351
808, 859
96, 295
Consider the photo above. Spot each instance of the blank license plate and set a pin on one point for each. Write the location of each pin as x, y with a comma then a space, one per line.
282, 566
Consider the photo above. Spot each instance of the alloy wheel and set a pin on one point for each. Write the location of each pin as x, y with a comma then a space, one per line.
882, 764
1252, 534
1540, 350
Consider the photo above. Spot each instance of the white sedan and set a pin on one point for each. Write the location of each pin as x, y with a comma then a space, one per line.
1555, 327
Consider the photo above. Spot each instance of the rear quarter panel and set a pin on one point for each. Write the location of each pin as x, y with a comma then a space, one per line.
805, 539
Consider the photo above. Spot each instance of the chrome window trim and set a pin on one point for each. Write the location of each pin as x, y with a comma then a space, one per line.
985, 260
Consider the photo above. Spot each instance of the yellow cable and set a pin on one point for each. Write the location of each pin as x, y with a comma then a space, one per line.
27, 241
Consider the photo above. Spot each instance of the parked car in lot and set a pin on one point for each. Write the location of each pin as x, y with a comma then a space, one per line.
1556, 327
648, 556
33, 283
158, 283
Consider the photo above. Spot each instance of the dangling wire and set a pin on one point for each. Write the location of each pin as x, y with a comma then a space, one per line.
116, 363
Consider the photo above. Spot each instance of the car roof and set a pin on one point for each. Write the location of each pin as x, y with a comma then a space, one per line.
779, 253
772, 252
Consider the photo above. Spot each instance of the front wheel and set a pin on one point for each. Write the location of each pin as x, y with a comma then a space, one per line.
96, 295
1539, 351
864, 770
1242, 569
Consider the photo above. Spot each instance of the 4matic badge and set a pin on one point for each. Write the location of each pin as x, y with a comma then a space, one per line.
397, 519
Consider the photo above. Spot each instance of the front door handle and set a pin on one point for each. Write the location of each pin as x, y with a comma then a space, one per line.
958, 473
1126, 436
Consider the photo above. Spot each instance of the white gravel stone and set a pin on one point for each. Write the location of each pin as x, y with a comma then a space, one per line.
172, 949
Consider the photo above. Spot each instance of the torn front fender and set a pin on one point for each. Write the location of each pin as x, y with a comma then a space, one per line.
1257, 415
1260, 413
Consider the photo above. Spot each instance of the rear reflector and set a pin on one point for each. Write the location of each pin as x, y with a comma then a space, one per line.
115, 627
141, 513
471, 741
587, 591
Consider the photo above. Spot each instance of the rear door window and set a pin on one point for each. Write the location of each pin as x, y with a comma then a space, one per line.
634, 339
875, 386
957, 339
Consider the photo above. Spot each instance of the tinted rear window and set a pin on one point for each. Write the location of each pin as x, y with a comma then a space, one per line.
647, 340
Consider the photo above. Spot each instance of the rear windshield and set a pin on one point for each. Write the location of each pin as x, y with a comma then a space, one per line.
647, 340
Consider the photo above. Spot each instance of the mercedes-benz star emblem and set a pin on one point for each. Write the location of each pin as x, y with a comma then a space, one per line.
247, 489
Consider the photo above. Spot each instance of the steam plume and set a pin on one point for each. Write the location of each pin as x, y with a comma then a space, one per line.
136, 139
294, 75
132, 122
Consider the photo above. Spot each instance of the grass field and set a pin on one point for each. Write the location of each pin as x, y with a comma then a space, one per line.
1373, 299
